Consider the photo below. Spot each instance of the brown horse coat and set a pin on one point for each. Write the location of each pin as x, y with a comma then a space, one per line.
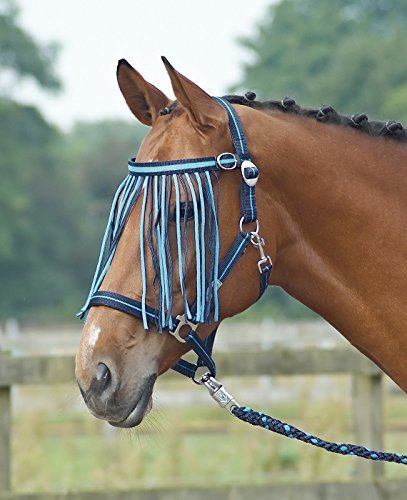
332, 207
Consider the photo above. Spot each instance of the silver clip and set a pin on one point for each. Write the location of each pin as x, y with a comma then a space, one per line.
183, 322
218, 393
258, 242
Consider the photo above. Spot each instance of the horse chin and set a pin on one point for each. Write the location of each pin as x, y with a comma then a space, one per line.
140, 407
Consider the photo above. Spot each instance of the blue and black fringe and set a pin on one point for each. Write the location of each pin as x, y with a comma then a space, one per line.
175, 210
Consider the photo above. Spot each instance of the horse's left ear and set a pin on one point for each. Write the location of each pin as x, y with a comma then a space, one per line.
203, 110
144, 100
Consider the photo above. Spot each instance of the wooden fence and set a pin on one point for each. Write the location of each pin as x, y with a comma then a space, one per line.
367, 381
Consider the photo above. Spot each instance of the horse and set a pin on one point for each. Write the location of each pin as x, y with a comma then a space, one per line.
331, 214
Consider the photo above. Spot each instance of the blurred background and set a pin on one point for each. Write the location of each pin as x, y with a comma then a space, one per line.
66, 135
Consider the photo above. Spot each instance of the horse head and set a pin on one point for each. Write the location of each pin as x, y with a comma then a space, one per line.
166, 236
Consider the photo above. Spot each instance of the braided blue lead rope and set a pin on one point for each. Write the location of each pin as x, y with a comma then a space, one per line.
275, 425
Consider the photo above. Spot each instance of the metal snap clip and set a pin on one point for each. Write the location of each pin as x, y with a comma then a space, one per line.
219, 393
259, 243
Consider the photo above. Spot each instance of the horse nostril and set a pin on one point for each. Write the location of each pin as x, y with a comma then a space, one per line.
102, 372
103, 377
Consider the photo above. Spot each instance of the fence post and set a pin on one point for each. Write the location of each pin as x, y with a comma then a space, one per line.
367, 393
5, 435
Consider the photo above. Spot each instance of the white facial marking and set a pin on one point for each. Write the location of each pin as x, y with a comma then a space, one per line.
88, 342
93, 335
89, 338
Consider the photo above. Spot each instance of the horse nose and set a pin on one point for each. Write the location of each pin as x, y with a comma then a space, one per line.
102, 380
102, 386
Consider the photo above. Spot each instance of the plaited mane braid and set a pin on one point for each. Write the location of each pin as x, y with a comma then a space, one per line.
326, 114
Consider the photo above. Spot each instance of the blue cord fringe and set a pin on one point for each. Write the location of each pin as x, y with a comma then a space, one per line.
167, 202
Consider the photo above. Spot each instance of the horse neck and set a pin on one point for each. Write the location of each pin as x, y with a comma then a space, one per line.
332, 203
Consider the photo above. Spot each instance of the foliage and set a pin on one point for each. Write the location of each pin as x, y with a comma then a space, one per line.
52, 190
57, 193
21, 55
37, 219
97, 154
100, 151
33, 196
341, 52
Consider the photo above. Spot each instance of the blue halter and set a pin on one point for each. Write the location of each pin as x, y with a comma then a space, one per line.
192, 182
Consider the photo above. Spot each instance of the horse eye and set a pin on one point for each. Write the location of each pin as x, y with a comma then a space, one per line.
186, 212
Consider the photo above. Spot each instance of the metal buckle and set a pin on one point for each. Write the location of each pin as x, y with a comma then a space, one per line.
183, 321
231, 155
218, 393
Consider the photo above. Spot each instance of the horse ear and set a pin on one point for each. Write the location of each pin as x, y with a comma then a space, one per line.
144, 100
202, 109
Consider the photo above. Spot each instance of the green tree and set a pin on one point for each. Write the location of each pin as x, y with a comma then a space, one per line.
54, 201
341, 52
97, 154
34, 212
20, 55
33, 186
55, 188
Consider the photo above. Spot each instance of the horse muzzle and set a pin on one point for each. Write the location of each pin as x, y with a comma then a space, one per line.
121, 403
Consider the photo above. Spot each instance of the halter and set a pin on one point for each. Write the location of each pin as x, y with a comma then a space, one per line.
192, 178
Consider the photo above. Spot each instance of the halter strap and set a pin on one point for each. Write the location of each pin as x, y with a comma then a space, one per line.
190, 165
250, 173
236, 129
225, 161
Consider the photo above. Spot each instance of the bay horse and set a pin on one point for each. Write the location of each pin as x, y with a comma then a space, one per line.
332, 212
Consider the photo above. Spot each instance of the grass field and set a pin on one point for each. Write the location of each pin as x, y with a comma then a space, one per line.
60, 447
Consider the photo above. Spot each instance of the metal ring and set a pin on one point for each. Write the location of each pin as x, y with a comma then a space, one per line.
219, 161
254, 222
201, 378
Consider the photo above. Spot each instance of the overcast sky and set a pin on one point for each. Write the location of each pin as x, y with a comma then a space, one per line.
199, 39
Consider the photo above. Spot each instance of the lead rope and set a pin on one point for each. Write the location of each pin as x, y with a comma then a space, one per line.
226, 401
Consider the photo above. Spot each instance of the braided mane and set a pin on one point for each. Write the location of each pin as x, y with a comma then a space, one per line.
326, 114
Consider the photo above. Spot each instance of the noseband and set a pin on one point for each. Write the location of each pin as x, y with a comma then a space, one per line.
190, 177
